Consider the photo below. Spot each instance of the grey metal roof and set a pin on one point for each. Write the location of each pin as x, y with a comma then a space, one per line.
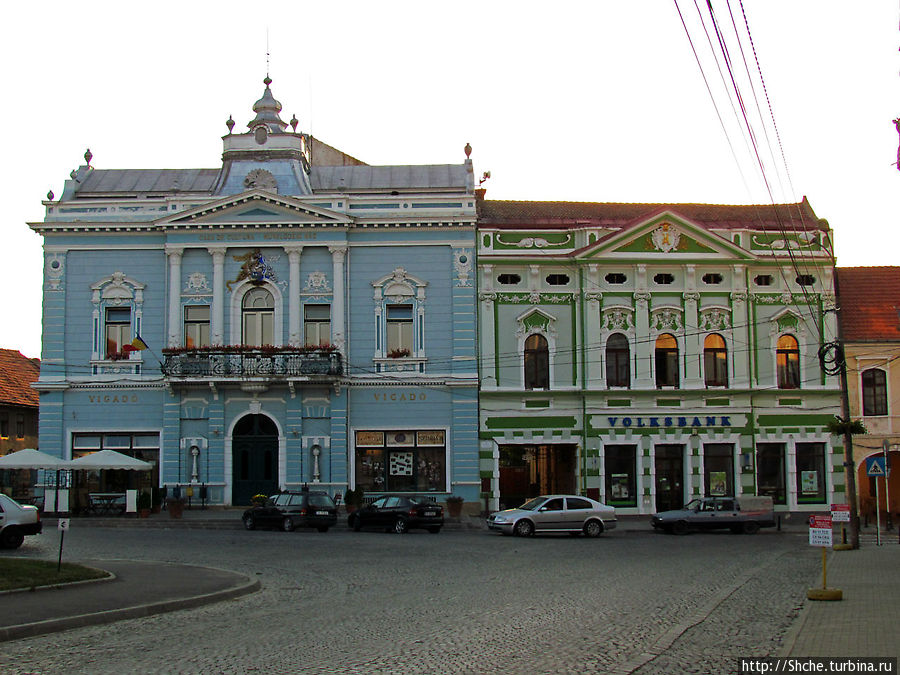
155, 181
350, 178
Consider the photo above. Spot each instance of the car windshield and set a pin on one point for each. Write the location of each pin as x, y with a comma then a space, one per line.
533, 504
693, 505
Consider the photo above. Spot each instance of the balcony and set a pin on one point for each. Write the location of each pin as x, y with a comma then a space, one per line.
263, 363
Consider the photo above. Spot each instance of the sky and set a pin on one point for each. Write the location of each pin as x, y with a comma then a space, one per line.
583, 101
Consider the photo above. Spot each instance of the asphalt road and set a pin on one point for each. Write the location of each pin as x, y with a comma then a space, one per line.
457, 602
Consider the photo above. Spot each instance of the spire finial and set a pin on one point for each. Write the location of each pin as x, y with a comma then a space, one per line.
467, 150
88, 156
229, 123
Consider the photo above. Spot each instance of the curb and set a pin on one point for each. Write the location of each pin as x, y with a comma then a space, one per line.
137, 611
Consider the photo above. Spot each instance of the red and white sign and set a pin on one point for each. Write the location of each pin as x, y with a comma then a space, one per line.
840, 513
820, 531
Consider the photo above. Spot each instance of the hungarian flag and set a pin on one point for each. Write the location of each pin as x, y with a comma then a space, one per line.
137, 345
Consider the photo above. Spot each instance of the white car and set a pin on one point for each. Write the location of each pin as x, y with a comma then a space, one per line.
17, 520
555, 514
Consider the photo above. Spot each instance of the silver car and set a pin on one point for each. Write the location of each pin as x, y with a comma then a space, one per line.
555, 513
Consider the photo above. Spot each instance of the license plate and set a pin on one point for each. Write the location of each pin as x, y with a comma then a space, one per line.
430, 513
321, 513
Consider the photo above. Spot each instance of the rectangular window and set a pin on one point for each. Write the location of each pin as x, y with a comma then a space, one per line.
317, 324
196, 326
399, 330
118, 330
621, 479
810, 473
718, 466
770, 471
4, 425
415, 464
20, 426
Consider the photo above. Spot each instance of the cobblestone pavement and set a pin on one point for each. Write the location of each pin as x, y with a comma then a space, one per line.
458, 602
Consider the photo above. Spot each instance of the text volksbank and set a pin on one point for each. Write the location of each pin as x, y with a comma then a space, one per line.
661, 422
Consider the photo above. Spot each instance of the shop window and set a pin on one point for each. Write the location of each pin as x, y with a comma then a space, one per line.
718, 466
810, 473
401, 461
196, 326
770, 471
509, 279
317, 324
618, 361
141, 445
537, 362
666, 360
715, 361
616, 278
874, 386
258, 318
787, 357
557, 279
621, 477
117, 329
664, 279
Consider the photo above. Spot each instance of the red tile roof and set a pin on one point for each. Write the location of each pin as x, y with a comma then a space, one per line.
17, 372
869, 301
562, 215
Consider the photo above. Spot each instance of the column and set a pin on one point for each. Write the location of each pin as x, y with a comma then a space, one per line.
295, 337
592, 349
741, 349
337, 301
644, 346
487, 338
217, 315
174, 256
693, 378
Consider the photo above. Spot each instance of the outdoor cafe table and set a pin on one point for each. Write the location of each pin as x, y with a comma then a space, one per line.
103, 503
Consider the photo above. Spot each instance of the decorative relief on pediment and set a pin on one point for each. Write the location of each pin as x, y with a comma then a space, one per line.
665, 238
618, 318
715, 319
260, 179
197, 284
666, 319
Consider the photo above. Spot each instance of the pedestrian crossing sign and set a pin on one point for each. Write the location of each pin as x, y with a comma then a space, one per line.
875, 466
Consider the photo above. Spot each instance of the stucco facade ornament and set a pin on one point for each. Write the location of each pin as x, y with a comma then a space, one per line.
462, 261
666, 319
55, 269
692, 296
740, 296
317, 283
665, 238
487, 297
618, 319
260, 179
255, 267
715, 319
642, 298
594, 296
197, 284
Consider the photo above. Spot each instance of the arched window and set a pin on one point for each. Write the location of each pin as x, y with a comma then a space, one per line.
715, 361
787, 360
874, 386
537, 362
258, 318
666, 361
618, 361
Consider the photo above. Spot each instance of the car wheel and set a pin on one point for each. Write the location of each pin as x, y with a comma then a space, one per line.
434, 530
524, 528
680, 527
11, 537
322, 529
751, 527
287, 524
593, 528
401, 526
249, 523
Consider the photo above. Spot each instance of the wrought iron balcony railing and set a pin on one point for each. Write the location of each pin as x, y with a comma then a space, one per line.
243, 362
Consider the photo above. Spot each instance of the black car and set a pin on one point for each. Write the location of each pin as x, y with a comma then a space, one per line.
289, 510
399, 513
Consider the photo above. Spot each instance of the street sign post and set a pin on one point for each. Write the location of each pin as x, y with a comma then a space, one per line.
820, 535
62, 525
876, 468
840, 513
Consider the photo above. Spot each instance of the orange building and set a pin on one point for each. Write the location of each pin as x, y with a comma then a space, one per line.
869, 300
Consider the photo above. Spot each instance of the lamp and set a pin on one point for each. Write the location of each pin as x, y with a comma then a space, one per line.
195, 474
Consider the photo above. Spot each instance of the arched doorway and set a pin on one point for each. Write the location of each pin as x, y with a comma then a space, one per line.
254, 444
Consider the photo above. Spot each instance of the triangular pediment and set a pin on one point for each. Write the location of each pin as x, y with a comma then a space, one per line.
666, 236
256, 207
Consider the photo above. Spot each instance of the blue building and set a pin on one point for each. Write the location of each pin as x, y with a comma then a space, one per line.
308, 318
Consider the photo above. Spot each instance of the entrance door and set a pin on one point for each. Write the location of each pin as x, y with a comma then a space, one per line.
669, 477
528, 471
255, 459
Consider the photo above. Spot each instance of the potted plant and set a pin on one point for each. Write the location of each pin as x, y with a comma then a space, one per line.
259, 500
156, 499
144, 503
400, 353
454, 506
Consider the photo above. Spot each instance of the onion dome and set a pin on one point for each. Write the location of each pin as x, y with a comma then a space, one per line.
267, 109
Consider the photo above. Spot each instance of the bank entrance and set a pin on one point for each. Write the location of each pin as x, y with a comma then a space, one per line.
527, 471
255, 457
669, 466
